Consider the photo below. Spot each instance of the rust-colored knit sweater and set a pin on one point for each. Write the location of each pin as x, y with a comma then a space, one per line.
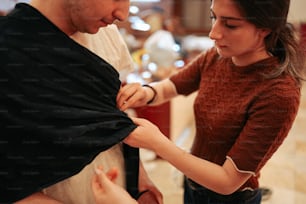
239, 113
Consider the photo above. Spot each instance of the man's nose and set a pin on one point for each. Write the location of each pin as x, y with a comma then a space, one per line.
122, 12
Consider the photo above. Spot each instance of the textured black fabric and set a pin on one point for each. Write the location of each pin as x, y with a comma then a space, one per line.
131, 158
57, 105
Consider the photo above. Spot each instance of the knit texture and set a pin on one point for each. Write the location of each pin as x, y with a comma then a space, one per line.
239, 113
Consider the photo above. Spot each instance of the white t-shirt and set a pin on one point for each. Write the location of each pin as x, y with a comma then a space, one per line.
109, 45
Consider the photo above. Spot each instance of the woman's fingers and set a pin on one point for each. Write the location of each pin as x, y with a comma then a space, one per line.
130, 96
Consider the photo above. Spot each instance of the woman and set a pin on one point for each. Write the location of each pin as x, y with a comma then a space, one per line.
248, 95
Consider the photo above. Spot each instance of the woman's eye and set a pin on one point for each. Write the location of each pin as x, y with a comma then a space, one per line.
230, 26
212, 18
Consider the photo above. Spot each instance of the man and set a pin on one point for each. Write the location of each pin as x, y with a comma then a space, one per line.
110, 46
58, 107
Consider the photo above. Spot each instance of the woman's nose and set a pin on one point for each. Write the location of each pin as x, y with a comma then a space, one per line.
216, 31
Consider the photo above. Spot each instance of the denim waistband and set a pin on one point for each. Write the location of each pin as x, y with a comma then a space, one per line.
238, 195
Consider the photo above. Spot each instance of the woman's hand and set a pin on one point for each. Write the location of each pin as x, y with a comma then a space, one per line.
146, 135
133, 95
105, 191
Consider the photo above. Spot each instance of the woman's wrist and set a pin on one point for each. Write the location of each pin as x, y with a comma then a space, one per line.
154, 93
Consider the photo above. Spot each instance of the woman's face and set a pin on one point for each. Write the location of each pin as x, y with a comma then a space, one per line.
90, 15
233, 35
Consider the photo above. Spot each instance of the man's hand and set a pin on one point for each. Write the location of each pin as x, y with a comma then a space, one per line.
106, 191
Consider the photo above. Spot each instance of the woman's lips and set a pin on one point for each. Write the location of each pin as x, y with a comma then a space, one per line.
220, 46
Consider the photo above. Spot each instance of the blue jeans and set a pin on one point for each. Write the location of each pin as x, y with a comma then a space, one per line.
196, 194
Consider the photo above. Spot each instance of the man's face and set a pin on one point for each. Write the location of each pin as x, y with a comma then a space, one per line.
90, 15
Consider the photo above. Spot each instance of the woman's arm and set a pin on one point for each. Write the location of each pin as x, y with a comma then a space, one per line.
135, 95
224, 179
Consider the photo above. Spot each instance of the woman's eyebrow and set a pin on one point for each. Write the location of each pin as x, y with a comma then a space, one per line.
228, 17
232, 18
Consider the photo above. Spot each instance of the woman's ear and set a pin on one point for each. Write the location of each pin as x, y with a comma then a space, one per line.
264, 32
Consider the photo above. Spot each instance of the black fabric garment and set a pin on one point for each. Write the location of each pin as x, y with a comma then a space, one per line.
131, 158
57, 106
